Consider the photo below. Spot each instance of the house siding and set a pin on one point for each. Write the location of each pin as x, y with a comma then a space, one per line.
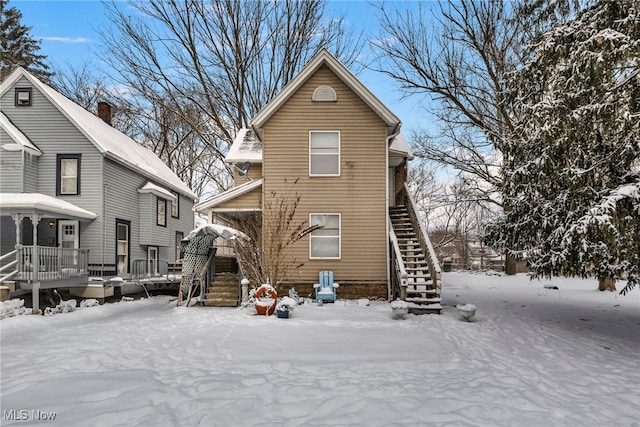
126, 203
255, 172
11, 177
358, 194
107, 188
30, 174
250, 200
54, 134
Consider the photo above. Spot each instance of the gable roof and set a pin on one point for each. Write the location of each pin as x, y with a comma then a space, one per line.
245, 148
230, 194
21, 142
325, 58
109, 141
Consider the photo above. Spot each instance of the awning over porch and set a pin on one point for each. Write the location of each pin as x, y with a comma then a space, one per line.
41, 204
229, 195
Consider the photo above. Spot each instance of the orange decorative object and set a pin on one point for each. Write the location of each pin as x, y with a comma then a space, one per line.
262, 307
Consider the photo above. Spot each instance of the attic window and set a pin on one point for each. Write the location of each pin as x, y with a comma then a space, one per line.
324, 93
23, 96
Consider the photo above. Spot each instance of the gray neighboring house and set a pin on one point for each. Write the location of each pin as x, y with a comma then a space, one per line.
78, 196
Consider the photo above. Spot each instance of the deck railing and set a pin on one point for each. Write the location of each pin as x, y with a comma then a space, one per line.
53, 263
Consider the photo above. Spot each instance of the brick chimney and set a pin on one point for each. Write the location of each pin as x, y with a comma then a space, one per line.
105, 111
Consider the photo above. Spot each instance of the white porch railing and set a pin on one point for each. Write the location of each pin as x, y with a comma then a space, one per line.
5, 274
53, 263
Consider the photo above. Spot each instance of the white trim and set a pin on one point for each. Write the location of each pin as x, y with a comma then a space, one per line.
339, 235
325, 58
153, 261
332, 154
157, 190
324, 93
228, 195
231, 210
61, 223
109, 141
37, 201
22, 143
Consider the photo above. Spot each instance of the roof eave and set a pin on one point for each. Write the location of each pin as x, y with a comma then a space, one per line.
324, 57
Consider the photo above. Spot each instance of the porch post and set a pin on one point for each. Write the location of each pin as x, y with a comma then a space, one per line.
35, 290
17, 218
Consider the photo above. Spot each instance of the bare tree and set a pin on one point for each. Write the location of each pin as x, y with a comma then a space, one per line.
225, 59
266, 257
152, 124
459, 61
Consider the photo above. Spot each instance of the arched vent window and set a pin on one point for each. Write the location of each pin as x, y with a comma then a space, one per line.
324, 93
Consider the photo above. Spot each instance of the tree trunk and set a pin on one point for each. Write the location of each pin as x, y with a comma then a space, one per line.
607, 284
510, 265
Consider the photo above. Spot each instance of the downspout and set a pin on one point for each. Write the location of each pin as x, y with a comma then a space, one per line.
388, 139
103, 236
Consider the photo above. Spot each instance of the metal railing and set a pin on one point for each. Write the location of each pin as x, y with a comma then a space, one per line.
50, 263
148, 269
423, 238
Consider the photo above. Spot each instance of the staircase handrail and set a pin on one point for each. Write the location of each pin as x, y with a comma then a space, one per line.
434, 265
8, 255
7, 266
401, 277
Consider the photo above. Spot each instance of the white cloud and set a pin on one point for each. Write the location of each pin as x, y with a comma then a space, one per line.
67, 39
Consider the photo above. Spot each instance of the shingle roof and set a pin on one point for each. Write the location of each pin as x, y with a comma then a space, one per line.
109, 141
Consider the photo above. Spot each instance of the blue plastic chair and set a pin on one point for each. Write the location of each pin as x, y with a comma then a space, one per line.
326, 289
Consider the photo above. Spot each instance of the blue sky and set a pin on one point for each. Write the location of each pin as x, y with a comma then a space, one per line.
67, 30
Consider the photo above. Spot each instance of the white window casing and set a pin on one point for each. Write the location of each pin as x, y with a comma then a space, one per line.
324, 93
324, 153
325, 242
68, 176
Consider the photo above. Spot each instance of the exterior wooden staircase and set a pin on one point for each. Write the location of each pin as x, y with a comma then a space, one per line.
416, 274
223, 291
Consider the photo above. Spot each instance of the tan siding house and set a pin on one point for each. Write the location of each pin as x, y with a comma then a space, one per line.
327, 139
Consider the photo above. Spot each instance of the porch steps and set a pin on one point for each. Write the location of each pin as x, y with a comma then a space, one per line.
224, 291
421, 292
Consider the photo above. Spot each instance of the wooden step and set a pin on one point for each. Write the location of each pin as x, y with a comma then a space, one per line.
220, 302
423, 300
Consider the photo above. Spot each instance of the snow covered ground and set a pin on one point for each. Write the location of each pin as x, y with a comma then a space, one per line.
530, 357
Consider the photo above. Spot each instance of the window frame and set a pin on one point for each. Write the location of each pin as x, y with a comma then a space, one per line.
127, 255
339, 236
159, 201
17, 93
320, 154
175, 202
179, 253
153, 262
59, 159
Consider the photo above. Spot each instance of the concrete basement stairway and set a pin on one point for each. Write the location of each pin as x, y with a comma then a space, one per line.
224, 291
421, 291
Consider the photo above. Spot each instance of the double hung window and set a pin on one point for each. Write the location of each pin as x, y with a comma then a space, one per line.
324, 153
324, 242
68, 174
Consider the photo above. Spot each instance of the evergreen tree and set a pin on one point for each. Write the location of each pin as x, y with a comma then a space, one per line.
18, 47
572, 166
